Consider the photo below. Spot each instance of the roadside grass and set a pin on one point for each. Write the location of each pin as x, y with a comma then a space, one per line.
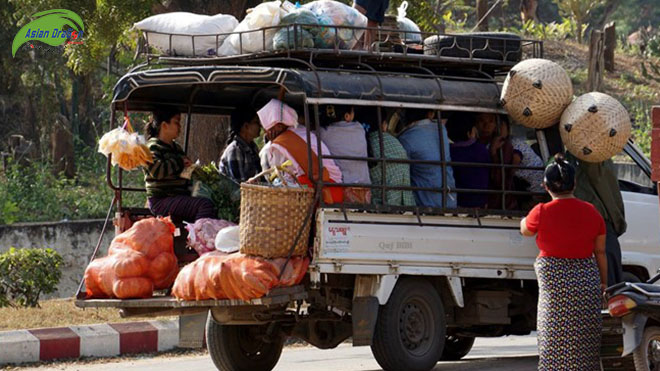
57, 313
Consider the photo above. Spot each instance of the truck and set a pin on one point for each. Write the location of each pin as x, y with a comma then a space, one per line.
416, 284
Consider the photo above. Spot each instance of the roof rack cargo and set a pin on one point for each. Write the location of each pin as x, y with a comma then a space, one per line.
492, 52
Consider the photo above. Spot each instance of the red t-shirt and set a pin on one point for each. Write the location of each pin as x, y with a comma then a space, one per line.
566, 228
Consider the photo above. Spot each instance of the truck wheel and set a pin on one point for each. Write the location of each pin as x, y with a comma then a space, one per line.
456, 347
242, 347
410, 332
647, 354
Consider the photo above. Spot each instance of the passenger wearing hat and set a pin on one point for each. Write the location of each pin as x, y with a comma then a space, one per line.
287, 141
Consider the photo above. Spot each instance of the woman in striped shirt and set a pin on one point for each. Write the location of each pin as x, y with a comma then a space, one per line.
168, 193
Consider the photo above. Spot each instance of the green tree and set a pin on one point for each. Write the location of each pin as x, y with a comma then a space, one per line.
579, 10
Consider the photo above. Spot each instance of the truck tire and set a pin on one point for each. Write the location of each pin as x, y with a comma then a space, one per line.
647, 354
241, 348
410, 331
456, 347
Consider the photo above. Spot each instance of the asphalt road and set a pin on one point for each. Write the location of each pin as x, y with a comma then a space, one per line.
494, 354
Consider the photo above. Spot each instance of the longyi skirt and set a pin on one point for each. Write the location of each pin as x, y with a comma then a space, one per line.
569, 320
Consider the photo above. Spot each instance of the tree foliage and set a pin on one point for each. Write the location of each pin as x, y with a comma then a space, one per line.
579, 10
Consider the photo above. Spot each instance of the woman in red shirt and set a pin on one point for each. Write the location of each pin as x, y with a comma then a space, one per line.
572, 273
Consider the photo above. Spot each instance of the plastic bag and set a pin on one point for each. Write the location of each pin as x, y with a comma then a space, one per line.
266, 14
129, 150
405, 24
187, 24
296, 36
227, 240
202, 233
334, 13
217, 275
139, 260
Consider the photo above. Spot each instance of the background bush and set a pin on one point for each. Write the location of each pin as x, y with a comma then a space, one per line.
25, 274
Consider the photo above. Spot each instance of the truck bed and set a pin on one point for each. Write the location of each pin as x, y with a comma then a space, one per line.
277, 296
355, 242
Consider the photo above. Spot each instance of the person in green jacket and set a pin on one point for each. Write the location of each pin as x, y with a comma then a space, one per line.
597, 183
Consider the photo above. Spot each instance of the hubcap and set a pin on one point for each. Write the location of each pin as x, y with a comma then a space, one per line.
250, 343
416, 326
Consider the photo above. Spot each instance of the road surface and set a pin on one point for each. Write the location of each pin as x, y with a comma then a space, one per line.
494, 354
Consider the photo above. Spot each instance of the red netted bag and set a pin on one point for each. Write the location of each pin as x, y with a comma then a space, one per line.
217, 275
139, 260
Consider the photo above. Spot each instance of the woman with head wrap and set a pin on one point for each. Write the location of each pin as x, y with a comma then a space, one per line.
240, 159
572, 273
287, 141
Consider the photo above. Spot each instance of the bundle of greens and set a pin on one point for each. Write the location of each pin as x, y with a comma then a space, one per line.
225, 193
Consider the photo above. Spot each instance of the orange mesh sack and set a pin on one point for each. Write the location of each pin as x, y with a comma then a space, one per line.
217, 275
139, 261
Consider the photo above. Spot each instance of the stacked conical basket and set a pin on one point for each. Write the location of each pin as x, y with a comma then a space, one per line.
538, 93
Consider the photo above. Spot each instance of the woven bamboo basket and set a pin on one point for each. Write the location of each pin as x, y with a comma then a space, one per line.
595, 127
536, 92
271, 218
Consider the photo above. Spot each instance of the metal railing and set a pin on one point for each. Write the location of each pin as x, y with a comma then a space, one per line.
337, 40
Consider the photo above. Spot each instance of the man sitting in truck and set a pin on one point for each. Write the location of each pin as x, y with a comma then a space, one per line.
422, 141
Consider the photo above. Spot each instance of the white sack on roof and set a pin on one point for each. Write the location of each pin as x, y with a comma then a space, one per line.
266, 14
187, 24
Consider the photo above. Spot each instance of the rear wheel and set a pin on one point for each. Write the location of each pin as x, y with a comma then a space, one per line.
647, 354
243, 347
410, 331
456, 347
630, 277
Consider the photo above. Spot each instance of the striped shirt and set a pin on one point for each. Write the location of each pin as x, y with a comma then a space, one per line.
162, 176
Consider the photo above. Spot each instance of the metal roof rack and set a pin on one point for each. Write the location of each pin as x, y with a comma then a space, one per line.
492, 53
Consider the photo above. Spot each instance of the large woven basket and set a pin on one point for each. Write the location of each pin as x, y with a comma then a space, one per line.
595, 127
271, 218
536, 92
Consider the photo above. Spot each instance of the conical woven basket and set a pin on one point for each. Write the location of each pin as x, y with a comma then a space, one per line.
271, 218
536, 92
595, 127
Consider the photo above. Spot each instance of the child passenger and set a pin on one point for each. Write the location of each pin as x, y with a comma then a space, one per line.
466, 148
346, 137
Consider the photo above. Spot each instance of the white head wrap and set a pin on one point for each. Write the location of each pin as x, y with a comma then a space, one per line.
276, 112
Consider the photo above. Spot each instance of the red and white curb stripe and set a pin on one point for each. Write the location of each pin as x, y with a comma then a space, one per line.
103, 340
